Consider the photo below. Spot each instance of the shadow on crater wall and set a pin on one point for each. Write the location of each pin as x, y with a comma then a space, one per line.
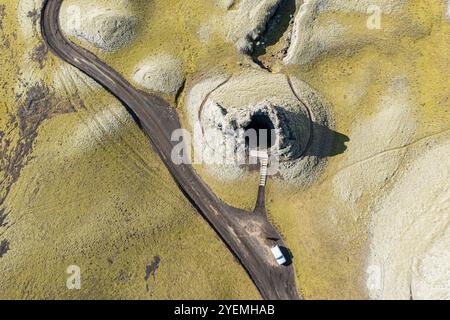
324, 142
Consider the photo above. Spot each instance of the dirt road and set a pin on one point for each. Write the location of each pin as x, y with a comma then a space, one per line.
248, 235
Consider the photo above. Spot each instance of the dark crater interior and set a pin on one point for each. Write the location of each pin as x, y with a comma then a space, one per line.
261, 123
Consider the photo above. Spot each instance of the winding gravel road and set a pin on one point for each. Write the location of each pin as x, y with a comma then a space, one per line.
249, 235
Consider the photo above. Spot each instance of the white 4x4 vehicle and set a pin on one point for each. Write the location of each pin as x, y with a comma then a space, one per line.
276, 251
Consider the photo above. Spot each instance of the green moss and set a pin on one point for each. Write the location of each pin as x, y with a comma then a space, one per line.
96, 195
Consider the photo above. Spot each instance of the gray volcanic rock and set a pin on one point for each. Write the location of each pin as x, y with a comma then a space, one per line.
161, 72
225, 4
393, 174
221, 112
313, 36
448, 10
28, 18
410, 230
107, 28
245, 24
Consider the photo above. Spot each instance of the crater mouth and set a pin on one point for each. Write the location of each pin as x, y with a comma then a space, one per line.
282, 130
262, 125
230, 117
